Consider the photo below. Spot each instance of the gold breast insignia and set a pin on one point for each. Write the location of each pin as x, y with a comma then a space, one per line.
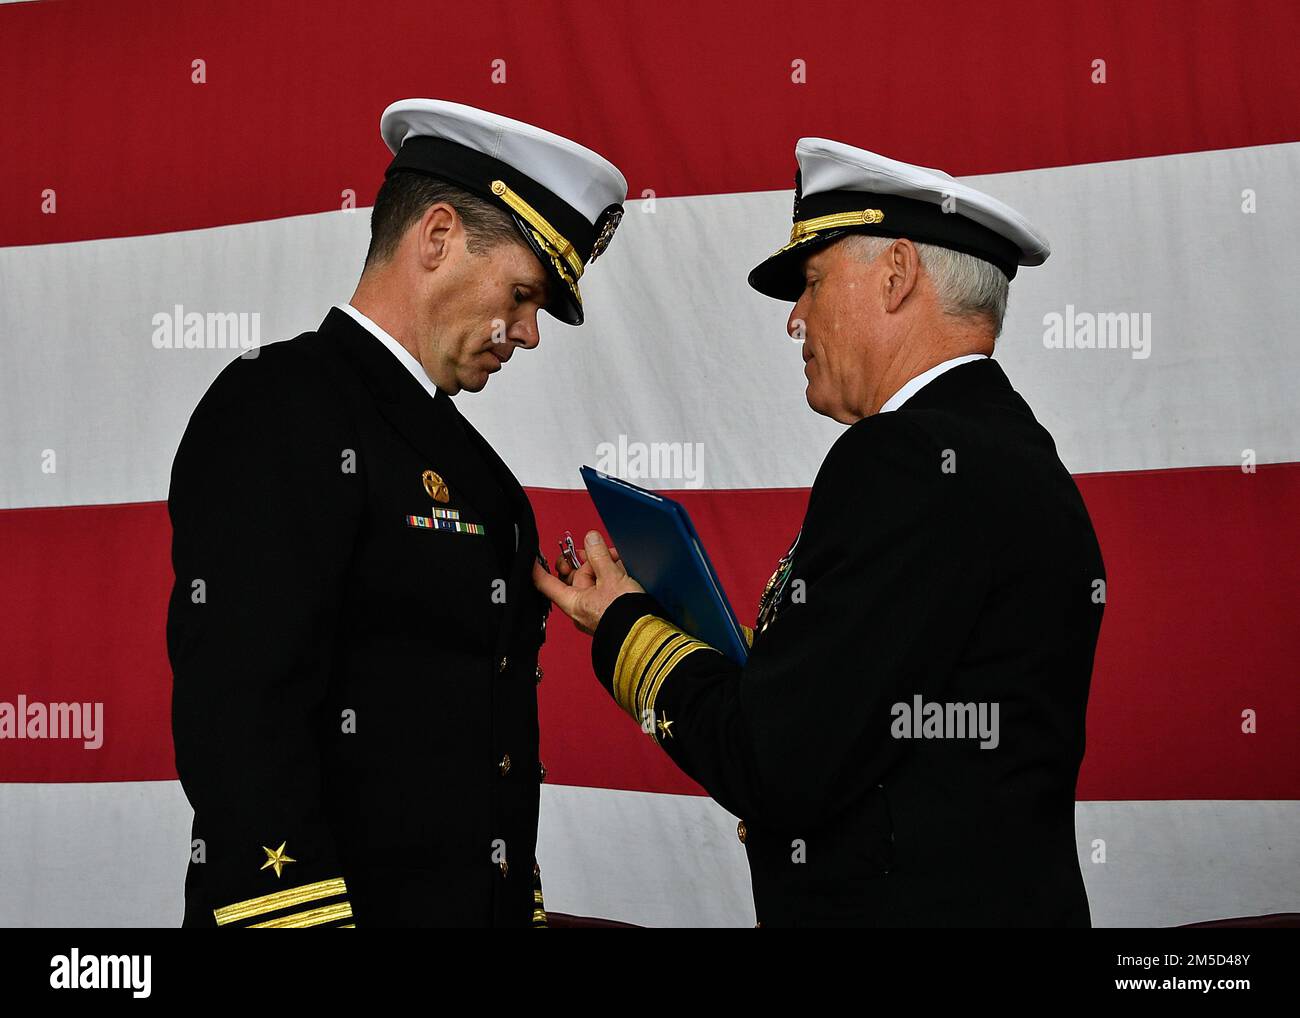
436, 487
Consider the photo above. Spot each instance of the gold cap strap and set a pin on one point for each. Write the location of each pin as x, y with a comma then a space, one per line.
835, 221
555, 242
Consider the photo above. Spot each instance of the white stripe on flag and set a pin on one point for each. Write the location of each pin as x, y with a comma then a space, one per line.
679, 349
113, 854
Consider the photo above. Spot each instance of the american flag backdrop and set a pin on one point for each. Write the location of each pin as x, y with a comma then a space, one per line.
192, 162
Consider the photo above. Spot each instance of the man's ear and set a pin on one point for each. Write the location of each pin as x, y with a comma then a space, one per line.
436, 234
902, 272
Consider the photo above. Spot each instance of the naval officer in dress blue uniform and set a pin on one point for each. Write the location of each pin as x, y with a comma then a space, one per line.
353, 632
902, 745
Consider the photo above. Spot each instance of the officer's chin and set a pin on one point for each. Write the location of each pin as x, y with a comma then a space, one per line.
814, 401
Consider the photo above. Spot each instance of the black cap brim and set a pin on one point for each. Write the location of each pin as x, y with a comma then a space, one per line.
781, 276
564, 299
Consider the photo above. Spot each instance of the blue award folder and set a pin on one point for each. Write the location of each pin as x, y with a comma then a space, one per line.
660, 548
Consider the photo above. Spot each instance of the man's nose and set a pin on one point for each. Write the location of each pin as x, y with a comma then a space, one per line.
794, 325
525, 333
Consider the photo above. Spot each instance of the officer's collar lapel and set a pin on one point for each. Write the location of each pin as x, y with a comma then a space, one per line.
388, 381
960, 383
521, 570
433, 426
520, 580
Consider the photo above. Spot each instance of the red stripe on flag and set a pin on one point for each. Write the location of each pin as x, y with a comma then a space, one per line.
84, 604
687, 98
1199, 626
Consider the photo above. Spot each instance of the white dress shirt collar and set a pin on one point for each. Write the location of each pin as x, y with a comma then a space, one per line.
400, 352
924, 378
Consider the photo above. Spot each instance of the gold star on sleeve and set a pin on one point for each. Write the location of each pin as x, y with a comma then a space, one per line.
276, 858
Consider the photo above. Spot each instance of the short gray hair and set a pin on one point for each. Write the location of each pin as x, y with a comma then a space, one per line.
968, 287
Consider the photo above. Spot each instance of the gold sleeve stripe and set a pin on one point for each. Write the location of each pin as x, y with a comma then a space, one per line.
652, 649
287, 898
539, 917
313, 917
652, 667
665, 650
680, 651
646, 648
348, 926
646, 637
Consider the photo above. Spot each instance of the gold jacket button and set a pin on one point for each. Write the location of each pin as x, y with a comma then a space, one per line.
504, 765
505, 867
501, 665
741, 832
